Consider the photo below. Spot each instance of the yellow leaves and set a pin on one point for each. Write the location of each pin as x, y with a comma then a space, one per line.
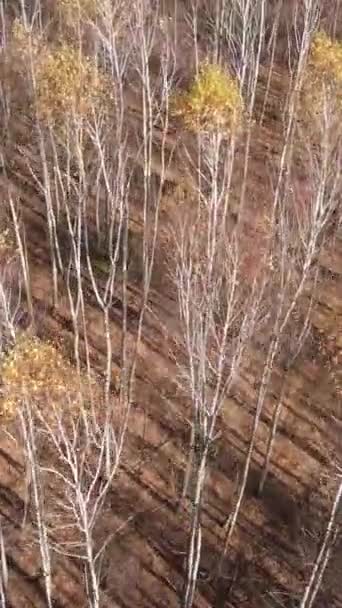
65, 81
26, 42
323, 83
212, 103
73, 9
24, 48
68, 83
7, 242
19, 32
326, 58
35, 370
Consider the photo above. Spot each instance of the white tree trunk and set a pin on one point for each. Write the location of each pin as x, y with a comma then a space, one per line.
323, 555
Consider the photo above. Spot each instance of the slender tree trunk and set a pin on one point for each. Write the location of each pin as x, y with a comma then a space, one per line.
268, 367
3, 569
195, 541
28, 429
23, 260
272, 436
323, 554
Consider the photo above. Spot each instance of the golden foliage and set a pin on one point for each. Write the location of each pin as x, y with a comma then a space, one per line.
69, 84
323, 82
24, 49
73, 9
35, 370
25, 41
213, 102
7, 242
66, 83
326, 58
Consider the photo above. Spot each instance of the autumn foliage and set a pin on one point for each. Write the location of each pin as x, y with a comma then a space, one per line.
84, 9
213, 102
37, 371
323, 82
66, 83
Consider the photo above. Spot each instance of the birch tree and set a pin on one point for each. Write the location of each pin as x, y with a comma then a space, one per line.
218, 316
4, 569
331, 534
81, 143
280, 248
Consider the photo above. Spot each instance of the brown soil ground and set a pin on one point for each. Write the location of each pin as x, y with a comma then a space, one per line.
278, 534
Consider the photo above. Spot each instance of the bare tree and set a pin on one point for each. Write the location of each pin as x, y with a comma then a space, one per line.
4, 569
80, 444
280, 251
84, 174
30, 442
305, 234
23, 254
331, 533
93, 149
10, 300
239, 35
218, 319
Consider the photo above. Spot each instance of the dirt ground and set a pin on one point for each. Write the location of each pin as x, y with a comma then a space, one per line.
278, 533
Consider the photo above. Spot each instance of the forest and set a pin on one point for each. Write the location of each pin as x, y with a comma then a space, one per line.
170, 303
